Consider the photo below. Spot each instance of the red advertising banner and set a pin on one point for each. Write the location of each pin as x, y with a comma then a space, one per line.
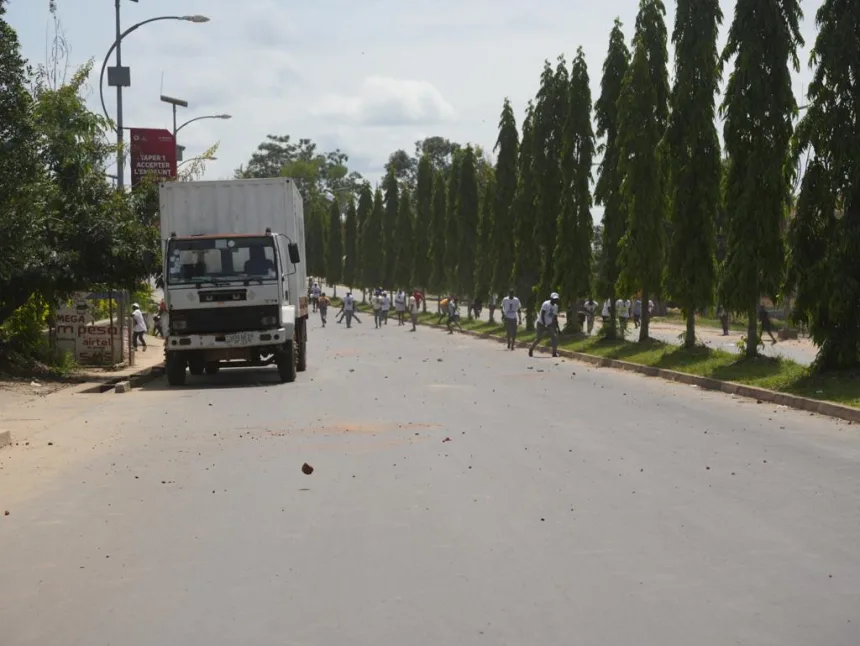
153, 152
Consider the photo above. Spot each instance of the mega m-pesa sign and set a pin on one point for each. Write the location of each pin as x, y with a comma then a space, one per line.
153, 152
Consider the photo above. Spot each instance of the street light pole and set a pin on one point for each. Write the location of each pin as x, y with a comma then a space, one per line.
120, 160
120, 77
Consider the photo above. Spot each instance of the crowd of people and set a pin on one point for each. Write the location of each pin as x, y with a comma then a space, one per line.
381, 302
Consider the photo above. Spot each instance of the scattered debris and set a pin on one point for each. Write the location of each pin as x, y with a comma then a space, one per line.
447, 439
6, 513
307, 469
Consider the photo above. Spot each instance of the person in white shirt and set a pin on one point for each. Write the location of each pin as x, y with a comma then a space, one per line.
413, 312
400, 306
606, 314
138, 326
590, 307
547, 323
622, 311
386, 305
348, 309
376, 302
510, 315
315, 295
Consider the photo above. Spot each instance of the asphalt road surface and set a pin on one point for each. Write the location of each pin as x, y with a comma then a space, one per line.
461, 494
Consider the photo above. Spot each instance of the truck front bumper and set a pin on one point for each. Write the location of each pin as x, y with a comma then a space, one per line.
254, 339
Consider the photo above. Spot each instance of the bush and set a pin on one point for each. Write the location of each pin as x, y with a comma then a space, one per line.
23, 331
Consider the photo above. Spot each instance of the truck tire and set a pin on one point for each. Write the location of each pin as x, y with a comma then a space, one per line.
175, 369
287, 361
212, 367
196, 367
302, 361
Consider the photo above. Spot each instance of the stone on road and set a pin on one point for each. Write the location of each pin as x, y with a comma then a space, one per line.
606, 509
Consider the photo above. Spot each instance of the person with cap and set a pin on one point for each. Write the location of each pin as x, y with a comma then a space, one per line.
376, 303
547, 324
348, 309
413, 311
138, 327
510, 313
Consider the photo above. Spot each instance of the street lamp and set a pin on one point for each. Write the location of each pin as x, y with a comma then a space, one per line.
184, 104
120, 77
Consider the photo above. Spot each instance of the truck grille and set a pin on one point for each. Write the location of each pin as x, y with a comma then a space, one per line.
213, 320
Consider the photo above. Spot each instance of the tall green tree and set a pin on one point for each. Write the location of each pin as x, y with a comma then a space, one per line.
404, 243
363, 247
467, 222
505, 189
550, 112
334, 245
607, 191
452, 226
758, 107
371, 242
389, 225
824, 235
694, 153
438, 232
350, 245
526, 269
487, 242
572, 258
423, 223
643, 115
315, 238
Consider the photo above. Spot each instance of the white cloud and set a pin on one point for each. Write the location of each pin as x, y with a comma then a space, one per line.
385, 101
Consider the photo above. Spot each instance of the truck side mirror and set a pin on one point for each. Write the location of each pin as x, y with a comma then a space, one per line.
293, 250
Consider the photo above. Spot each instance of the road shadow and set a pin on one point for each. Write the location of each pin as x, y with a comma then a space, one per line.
262, 377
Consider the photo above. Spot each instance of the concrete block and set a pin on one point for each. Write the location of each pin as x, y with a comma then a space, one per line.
5, 438
122, 387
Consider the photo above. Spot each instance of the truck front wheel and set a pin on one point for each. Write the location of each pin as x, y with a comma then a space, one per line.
175, 369
287, 361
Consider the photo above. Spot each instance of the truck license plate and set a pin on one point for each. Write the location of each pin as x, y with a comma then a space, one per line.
239, 338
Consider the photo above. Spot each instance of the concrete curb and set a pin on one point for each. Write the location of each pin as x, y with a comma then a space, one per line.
122, 387
707, 383
124, 384
5, 438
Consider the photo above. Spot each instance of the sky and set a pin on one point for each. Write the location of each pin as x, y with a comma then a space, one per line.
367, 77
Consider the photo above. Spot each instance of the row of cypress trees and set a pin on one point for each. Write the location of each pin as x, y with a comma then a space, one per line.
668, 191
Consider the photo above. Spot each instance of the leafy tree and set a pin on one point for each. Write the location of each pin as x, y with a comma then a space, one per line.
467, 223
507, 149
334, 246
452, 226
389, 226
315, 239
643, 112
758, 107
20, 172
87, 235
575, 226
439, 150
365, 246
404, 168
372, 242
550, 112
607, 191
423, 217
404, 242
487, 242
350, 245
438, 231
526, 261
694, 151
824, 235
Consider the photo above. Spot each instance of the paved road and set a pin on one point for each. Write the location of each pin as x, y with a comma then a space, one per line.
572, 505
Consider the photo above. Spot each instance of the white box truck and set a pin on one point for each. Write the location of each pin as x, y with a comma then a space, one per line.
234, 276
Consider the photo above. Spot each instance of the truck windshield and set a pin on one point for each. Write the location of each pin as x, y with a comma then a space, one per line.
220, 260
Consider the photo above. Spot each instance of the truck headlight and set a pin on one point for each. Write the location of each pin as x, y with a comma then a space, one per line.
270, 320
179, 325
